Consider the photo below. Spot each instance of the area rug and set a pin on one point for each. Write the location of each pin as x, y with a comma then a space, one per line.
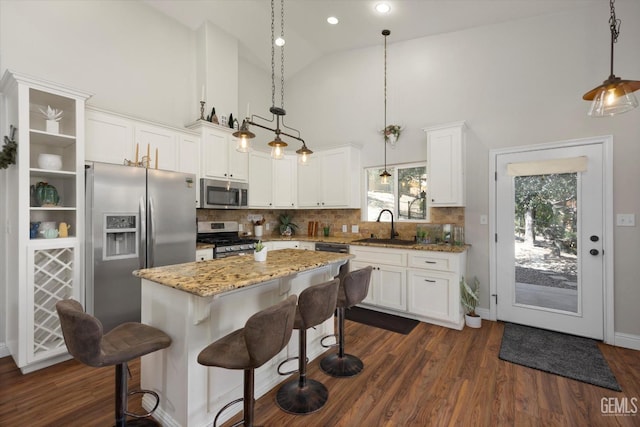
569, 356
380, 320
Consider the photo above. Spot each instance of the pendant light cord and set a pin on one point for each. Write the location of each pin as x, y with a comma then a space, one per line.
385, 33
614, 26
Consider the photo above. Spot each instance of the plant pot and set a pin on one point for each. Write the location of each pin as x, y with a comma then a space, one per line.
52, 126
260, 256
473, 321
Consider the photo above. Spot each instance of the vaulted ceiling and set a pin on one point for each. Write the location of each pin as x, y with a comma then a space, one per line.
309, 37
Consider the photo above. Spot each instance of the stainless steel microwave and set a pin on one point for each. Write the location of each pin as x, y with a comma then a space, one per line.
217, 194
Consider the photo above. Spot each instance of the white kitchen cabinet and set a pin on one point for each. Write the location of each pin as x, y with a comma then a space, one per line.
446, 158
433, 286
189, 159
388, 286
422, 285
273, 245
331, 179
284, 182
272, 183
43, 270
307, 246
112, 138
158, 140
260, 180
220, 159
204, 254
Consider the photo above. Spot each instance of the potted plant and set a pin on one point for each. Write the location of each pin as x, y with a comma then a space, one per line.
287, 228
260, 253
469, 298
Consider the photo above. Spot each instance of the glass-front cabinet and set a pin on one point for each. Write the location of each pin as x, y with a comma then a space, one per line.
44, 216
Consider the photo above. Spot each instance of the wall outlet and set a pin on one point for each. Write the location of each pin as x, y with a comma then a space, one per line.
626, 220
344, 228
484, 220
267, 226
355, 229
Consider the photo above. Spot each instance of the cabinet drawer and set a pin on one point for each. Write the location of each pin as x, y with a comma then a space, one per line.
432, 261
380, 256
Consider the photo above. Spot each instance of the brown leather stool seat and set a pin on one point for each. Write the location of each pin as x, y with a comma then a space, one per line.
354, 288
315, 305
263, 336
86, 343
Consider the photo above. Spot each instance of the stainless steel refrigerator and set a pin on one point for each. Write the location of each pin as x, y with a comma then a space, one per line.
135, 218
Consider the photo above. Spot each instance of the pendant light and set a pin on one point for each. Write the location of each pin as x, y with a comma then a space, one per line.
614, 95
384, 176
277, 145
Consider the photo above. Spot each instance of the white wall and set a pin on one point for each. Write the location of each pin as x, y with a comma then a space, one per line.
516, 83
134, 59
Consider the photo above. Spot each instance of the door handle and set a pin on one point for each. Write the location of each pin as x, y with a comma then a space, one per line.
594, 252
142, 237
151, 227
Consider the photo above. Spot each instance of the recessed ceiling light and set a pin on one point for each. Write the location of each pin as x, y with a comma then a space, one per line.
332, 20
383, 7
279, 41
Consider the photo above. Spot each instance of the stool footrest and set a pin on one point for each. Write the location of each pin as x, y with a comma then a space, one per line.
224, 408
148, 414
336, 344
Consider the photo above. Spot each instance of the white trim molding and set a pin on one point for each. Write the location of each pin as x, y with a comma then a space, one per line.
4, 350
627, 341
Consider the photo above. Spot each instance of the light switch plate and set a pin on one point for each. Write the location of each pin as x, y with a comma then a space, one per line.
484, 220
626, 220
355, 229
344, 228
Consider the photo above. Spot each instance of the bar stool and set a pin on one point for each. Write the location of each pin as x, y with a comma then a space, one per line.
263, 336
304, 396
353, 289
87, 344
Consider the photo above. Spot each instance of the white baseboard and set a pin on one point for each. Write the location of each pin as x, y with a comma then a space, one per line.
4, 350
620, 339
485, 313
627, 341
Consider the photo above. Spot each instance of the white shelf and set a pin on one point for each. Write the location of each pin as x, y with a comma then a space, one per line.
46, 138
48, 173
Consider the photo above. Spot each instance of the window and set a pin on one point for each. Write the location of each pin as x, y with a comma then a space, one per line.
404, 194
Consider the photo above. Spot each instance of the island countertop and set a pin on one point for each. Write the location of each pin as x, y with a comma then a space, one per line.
217, 276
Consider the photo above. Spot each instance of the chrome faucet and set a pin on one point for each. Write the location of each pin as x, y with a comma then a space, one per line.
393, 231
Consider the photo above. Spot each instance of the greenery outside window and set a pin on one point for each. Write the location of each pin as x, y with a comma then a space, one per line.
404, 194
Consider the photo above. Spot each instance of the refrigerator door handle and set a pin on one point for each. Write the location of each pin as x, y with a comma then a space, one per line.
152, 234
142, 236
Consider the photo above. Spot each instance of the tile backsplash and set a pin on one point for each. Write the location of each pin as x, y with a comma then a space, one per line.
334, 218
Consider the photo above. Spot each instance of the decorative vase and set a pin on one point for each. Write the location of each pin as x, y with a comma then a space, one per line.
45, 195
473, 321
260, 256
257, 230
52, 126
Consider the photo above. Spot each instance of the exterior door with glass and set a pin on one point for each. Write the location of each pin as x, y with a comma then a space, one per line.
550, 238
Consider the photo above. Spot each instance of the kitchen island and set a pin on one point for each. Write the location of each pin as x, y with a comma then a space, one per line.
200, 302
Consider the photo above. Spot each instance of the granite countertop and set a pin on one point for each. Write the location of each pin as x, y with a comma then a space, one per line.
351, 241
217, 276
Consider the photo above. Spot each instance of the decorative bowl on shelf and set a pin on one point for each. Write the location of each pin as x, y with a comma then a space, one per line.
50, 161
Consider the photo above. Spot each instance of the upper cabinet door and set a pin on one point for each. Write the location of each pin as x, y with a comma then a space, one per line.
260, 180
336, 169
215, 148
109, 138
238, 162
161, 145
284, 182
446, 165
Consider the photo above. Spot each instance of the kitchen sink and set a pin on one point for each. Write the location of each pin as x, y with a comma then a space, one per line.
386, 241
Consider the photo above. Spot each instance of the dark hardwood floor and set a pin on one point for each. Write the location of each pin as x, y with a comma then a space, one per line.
432, 377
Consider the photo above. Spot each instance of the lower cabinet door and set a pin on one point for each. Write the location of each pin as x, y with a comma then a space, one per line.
388, 287
429, 293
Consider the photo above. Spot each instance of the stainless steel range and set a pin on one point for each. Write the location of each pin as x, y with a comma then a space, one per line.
224, 235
